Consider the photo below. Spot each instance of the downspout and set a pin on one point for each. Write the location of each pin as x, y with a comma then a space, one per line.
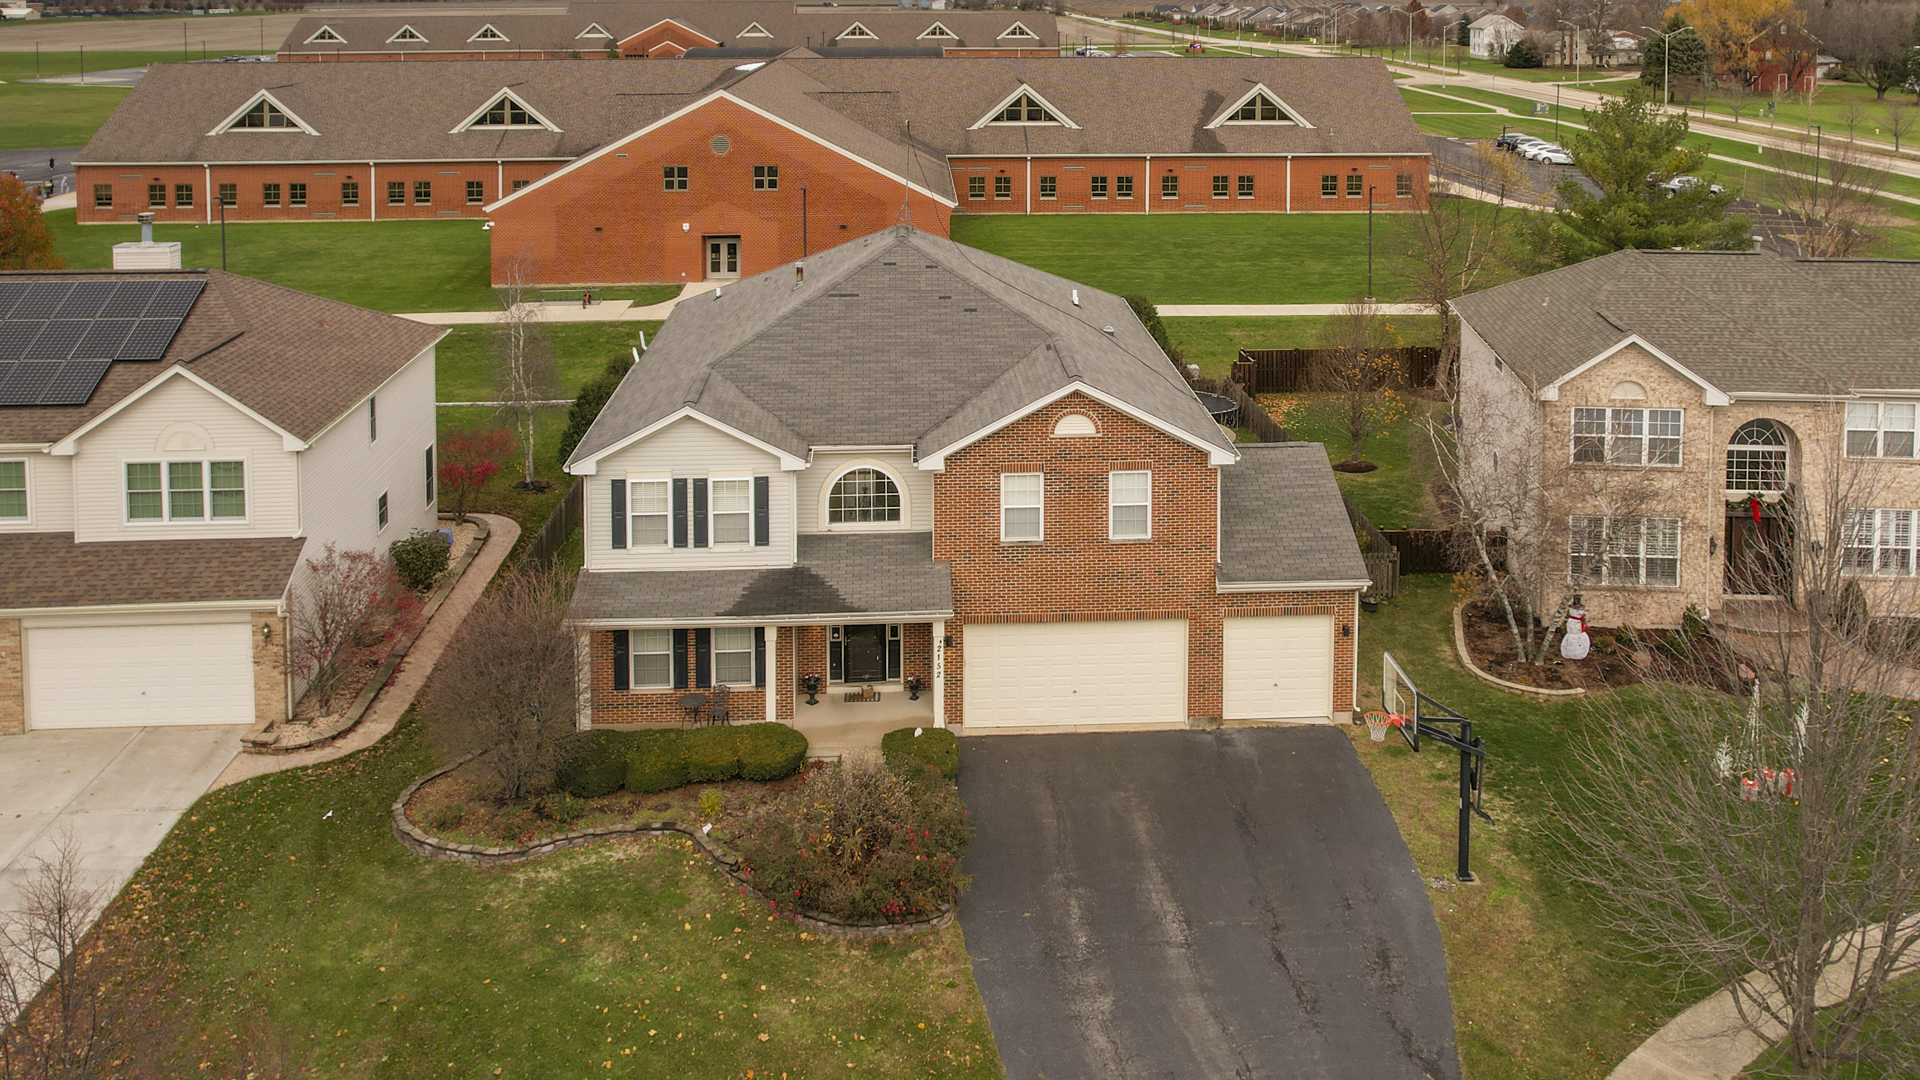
211, 194
499, 178
1146, 186
1289, 183
373, 192
1029, 199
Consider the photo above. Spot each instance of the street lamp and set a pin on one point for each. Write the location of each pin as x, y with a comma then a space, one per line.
1576, 59
1666, 61
1409, 16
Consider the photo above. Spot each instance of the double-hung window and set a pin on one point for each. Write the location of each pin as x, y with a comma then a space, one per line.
1220, 186
732, 511
1879, 430
270, 194
229, 194
1097, 186
1624, 551
1329, 185
1244, 182
350, 193
1356, 185
1021, 500
296, 194
183, 196
652, 513
976, 187
157, 195
476, 192
1049, 187
1129, 505
1123, 187
1627, 436
1003, 187
186, 490
1403, 185
13, 490
651, 656
1878, 542
423, 192
103, 197
733, 655
1170, 186
396, 193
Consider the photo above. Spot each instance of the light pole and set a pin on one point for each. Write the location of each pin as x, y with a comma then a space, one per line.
1666, 62
1409, 16
1369, 243
1816, 171
1575, 47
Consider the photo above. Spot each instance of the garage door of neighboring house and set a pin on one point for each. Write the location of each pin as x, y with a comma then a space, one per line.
1278, 668
136, 676
1068, 674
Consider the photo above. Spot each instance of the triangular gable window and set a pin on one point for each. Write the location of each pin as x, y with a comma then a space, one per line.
938, 30
326, 33
857, 31
506, 111
488, 33
1260, 106
754, 30
406, 33
1020, 30
263, 113
1024, 106
593, 31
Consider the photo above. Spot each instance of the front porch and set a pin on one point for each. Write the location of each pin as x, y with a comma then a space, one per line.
835, 725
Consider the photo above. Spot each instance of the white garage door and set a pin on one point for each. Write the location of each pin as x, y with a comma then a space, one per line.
133, 676
1279, 668
1069, 674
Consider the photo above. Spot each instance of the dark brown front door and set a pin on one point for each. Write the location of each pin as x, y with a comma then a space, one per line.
866, 653
1756, 555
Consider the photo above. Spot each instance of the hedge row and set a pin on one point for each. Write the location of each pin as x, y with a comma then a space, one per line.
649, 761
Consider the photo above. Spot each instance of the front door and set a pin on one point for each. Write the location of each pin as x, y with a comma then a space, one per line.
866, 653
723, 257
1756, 555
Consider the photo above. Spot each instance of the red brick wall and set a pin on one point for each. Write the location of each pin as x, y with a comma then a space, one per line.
668, 41
1270, 185
611, 219
491, 54
323, 180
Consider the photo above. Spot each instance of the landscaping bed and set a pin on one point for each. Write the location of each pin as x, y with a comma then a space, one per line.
1610, 663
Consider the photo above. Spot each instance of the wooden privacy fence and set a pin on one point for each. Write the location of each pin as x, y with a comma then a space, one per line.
1252, 416
1423, 551
553, 535
1286, 371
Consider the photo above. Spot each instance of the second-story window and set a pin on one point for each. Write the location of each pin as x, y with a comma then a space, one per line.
732, 511
1129, 505
766, 178
186, 490
673, 177
1021, 499
652, 513
1877, 430
1627, 436
373, 419
861, 496
13, 490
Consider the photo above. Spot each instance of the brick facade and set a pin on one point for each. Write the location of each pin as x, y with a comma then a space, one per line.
1280, 184
13, 680
269, 667
447, 193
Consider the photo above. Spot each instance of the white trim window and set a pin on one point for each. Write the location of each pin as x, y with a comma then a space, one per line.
380, 511
731, 511
863, 496
652, 513
733, 655
13, 489
1022, 506
1878, 542
1129, 505
1627, 436
1877, 430
1624, 551
650, 659
186, 491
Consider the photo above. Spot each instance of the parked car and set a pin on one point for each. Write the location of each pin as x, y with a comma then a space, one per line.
1536, 151
1511, 140
1089, 50
1552, 155
1687, 183
1526, 143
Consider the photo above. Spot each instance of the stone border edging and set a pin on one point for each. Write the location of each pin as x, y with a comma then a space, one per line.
420, 842
1466, 659
267, 741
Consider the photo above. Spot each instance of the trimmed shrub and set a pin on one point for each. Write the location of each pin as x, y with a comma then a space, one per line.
599, 767
769, 751
656, 762
420, 558
934, 748
712, 755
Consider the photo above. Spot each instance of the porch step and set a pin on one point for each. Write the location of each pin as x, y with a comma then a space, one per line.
1759, 616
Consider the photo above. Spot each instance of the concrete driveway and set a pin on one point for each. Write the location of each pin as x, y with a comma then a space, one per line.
117, 790
1236, 903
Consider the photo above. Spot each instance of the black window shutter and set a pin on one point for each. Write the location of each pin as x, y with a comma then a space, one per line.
703, 658
893, 652
679, 513
617, 506
700, 512
762, 517
620, 665
834, 654
759, 656
679, 659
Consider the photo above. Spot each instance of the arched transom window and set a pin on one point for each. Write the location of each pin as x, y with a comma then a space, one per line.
863, 495
1757, 457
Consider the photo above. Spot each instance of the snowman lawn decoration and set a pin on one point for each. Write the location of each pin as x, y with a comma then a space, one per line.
1575, 643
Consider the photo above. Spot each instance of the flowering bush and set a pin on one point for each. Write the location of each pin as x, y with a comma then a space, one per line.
858, 841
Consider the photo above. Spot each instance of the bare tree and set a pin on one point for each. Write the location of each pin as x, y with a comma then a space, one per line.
1739, 97
1900, 118
1873, 39
1851, 114
1769, 840
1834, 203
507, 685
347, 607
526, 373
1358, 367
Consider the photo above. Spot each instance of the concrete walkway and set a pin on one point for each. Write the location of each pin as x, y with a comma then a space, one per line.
412, 674
1279, 310
605, 311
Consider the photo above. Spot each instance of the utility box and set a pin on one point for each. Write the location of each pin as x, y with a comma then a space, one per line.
146, 255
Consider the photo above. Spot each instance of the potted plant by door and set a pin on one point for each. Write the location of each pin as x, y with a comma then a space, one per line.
811, 684
914, 685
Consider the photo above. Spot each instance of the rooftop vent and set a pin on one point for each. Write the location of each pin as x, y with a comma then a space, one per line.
146, 255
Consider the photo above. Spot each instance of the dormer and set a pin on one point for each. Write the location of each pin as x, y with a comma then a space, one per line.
857, 32
407, 33
753, 30
593, 30
1259, 106
1019, 30
1024, 107
507, 111
938, 30
326, 35
262, 112
488, 33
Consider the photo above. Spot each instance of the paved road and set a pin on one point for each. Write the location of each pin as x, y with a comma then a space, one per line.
31, 165
1229, 904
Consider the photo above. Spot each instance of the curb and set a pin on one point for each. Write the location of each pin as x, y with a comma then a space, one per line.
266, 741
420, 842
1466, 660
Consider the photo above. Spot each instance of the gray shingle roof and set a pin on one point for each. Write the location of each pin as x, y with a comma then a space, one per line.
839, 574
1281, 518
49, 570
898, 338
1746, 322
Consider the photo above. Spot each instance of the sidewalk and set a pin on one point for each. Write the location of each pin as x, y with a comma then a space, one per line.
605, 311
1214, 311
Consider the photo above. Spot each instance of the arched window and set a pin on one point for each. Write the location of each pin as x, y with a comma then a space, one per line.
1757, 457
861, 496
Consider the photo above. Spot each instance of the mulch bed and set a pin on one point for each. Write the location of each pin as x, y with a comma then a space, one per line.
1620, 657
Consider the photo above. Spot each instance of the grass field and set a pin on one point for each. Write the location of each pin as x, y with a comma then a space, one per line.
1420, 101
1213, 342
1197, 258
463, 362
1392, 496
33, 115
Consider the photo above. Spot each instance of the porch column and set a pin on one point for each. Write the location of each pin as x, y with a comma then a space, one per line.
773, 674
939, 673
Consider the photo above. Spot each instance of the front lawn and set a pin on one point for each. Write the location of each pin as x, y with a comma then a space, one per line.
287, 905
37, 115
1198, 258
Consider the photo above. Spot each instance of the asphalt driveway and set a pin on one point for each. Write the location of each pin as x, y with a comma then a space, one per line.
1186, 904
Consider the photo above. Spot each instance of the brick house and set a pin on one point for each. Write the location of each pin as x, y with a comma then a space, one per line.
700, 169
173, 446
1729, 399
906, 459
1785, 59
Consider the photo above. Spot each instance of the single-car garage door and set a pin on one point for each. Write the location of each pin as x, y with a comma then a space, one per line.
136, 676
1069, 674
1278, 668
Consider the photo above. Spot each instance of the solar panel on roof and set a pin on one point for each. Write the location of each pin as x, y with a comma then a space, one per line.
10, 293
175, 299
56, 342
104, 339
42, 300
74, 383
16, 335
86, 300
25, 381
149, 340
130, 300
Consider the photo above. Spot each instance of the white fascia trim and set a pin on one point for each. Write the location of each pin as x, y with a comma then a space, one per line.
1709, 393
1226, 114
857, 448
748, 620
1126, 156
1064, 120
401, 370
325, 30
417, 35
718, 95
588, 466
498, 36
664, 22
505, 92
226, 126
944, 33
937, 461
311, 162
1851, 395
753, 29
111, 609
1023, 32
863, 34
25, 448
593, 30
69, 445
1287, 586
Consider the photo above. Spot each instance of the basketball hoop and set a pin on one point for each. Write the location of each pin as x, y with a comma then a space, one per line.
1379, 723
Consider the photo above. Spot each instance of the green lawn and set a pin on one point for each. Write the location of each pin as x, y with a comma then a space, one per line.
1196, 258
33, 115
1213, 342
1420, 101
1392, 496
463, 362
287, 906
28, 65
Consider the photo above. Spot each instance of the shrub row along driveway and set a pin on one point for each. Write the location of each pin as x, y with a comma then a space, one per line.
1235, 903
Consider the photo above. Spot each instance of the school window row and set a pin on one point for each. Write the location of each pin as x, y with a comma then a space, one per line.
295, 194
1356, 186
674, 178
1223, 186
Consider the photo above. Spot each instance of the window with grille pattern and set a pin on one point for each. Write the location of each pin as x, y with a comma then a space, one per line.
1627, 436
1624, 551
863, 495
1757, 457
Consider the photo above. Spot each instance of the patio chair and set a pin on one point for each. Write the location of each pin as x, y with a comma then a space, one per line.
717, 710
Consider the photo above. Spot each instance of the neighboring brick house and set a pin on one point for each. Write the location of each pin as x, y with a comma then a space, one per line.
1786, 60
173, 446
1727, 398
908, 458
715, 168
665, 29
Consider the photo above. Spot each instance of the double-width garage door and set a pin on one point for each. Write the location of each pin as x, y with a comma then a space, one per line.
1278, 668
1076, 674
136, 676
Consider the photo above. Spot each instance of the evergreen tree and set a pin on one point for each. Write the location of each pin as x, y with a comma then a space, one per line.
1524, 54
1629, 149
